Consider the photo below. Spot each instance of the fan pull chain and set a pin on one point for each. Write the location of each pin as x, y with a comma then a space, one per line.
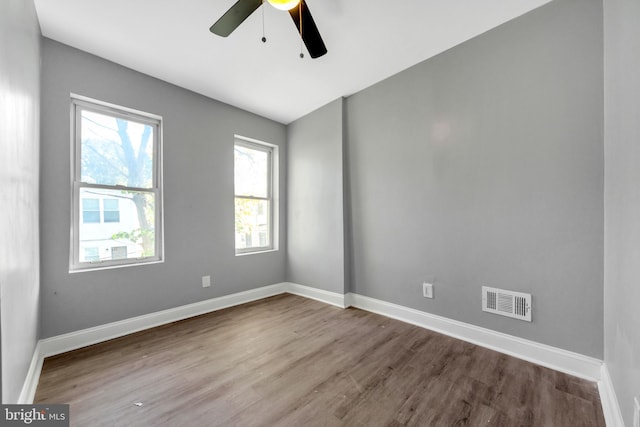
301, 40
264, 39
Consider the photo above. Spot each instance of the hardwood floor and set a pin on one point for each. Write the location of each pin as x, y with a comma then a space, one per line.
291, 361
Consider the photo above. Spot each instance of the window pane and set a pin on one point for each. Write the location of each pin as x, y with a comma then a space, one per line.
90, 210
115, 151
111, 205
111, 210
91, 204
252, 224
132, 235
251, 172
111, 216
119, 252
89, 217
91, 254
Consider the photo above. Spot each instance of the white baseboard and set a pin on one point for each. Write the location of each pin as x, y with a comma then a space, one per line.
33, 376
541, 354
610, 406
551, 357
74, 340
321, 295
62, 343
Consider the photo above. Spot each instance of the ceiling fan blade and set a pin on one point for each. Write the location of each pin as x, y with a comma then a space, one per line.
310, 34
234, 17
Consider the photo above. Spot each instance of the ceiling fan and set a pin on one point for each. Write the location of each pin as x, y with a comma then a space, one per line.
297, 9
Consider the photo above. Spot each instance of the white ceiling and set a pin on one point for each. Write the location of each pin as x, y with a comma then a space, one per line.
367, 40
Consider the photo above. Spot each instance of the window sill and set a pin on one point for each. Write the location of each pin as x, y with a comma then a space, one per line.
258, 252
111, 267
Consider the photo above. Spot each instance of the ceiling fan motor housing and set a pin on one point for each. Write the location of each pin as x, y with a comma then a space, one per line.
284, 4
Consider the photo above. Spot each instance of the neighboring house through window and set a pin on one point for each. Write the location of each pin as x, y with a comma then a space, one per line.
111, 210
92, 254
255, 210
90, 210
92, 213
116, 185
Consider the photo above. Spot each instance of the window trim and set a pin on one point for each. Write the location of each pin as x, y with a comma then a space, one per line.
272, 193
78, 104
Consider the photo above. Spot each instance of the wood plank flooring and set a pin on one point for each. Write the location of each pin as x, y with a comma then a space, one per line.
291, 361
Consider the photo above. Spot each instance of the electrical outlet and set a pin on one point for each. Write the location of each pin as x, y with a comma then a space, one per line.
636, 412
427, 290
206, 281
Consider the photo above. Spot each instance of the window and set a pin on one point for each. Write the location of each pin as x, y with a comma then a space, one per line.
90, 210
254, 184
111, 210
116, 185
119, 252
91, 254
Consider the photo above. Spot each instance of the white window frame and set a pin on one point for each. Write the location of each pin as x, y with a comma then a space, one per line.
78, 104
272, 193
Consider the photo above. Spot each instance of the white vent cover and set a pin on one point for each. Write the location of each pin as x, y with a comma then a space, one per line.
506, 303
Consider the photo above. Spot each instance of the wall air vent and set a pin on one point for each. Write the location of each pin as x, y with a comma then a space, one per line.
506, 303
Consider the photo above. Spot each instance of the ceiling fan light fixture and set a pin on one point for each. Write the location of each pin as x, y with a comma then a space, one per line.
284, 4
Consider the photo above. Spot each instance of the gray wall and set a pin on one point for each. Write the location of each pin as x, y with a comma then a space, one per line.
315, 208
622, 204
198, 198
484, 166
19, 163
